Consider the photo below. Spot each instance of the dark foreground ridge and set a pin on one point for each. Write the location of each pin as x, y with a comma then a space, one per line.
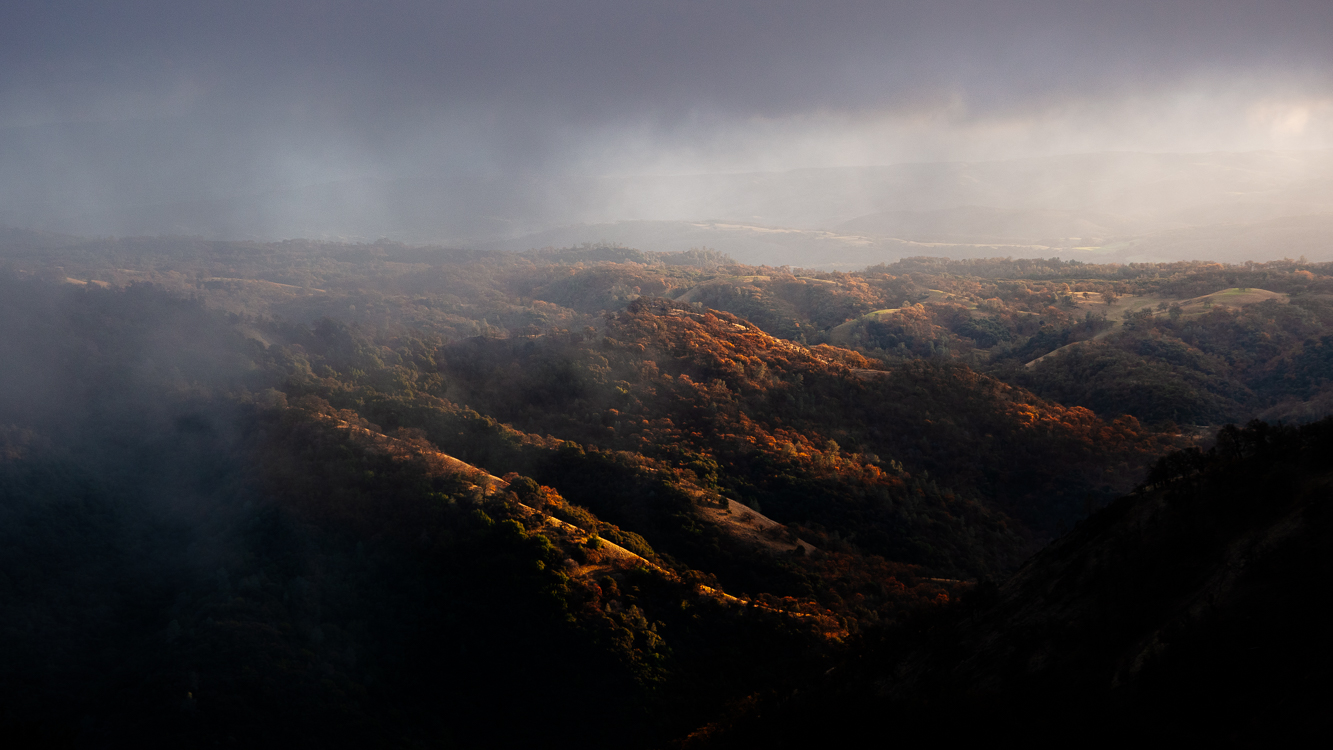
1188, 611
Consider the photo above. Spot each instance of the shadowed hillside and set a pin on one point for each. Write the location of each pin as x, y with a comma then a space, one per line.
1182, 611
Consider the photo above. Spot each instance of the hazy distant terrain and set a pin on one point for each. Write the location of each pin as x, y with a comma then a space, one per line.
1095, 207
1118, 207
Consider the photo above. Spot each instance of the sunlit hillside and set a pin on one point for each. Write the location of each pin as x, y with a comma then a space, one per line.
317, 491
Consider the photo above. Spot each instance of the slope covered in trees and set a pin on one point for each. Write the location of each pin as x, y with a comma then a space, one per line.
414, 495
1182, 612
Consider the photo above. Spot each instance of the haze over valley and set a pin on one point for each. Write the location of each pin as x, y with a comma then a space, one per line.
1105, 207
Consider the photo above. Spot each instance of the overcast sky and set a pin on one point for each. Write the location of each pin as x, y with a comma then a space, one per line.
217, 98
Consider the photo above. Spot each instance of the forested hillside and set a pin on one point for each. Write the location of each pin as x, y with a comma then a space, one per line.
404, 495
1181, 612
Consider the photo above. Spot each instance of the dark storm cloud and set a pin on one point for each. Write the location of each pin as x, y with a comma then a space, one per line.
376, 63
108, 104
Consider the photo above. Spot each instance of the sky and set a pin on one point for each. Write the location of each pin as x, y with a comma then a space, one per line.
105, 104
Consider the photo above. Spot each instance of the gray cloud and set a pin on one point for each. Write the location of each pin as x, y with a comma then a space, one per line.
376, 62
109, 104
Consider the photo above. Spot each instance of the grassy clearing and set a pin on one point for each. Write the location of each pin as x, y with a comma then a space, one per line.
1234, 297
753, 527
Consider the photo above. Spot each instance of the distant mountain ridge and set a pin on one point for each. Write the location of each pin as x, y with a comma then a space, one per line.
970, 223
